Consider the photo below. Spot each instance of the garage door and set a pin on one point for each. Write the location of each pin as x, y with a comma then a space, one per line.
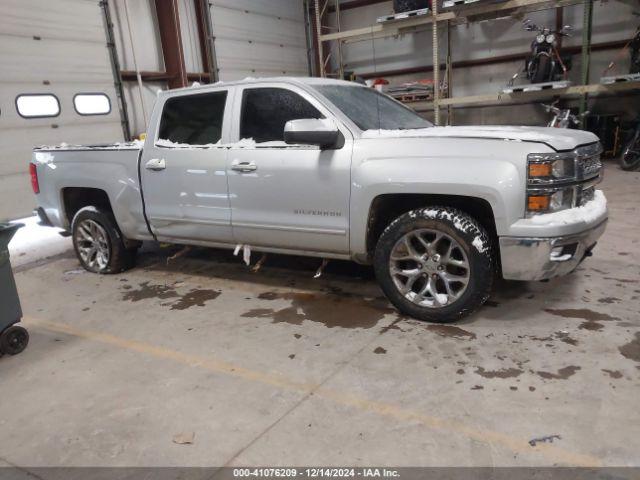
259, 38
49, 53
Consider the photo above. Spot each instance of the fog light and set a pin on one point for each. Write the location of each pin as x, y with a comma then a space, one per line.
563, 253
538, 203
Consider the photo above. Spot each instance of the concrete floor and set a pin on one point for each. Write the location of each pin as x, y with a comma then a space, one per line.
275, 368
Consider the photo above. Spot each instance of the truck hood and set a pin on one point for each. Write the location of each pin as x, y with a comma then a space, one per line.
556, 138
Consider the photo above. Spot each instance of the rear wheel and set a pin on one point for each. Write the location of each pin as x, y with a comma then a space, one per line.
630, 158
98, 243
14, 340
435, 264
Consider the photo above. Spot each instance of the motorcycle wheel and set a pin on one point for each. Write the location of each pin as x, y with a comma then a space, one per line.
630, 158
541, 69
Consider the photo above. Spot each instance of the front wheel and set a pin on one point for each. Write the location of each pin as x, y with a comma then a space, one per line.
435, 264
630, 158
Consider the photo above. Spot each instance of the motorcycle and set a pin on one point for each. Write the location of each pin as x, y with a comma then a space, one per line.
544, 64
630, 158
563, 118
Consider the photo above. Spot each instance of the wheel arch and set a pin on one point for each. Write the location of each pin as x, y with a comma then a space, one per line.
75, 198
387, 207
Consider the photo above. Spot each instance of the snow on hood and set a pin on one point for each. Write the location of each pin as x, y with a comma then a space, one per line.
557, 138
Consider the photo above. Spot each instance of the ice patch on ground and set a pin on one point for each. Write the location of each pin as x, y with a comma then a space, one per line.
587, 213
34, 242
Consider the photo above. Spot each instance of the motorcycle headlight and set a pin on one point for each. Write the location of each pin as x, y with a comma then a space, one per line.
540, 38
551, 38
550, 168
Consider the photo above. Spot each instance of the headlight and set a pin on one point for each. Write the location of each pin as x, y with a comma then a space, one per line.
551, 38
540, 38
550, 168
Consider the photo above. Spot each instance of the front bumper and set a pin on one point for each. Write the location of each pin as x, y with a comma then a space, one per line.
542, 258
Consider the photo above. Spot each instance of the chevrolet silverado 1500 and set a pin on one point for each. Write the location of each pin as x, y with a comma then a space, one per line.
333, 169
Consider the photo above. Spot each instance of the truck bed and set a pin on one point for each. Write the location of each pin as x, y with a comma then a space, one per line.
110, 168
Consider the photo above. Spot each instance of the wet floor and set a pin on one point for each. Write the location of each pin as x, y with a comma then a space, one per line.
275, 364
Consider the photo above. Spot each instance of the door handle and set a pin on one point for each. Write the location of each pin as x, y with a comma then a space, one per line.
243, 166
155, 164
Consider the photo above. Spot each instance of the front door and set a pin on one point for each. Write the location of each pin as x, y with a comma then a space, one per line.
286, 196
183, 169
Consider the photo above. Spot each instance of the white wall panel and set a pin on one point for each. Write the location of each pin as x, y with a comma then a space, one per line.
189, 34
49, 47
144, 30
259, 38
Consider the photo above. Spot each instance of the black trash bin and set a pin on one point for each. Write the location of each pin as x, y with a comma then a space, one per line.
13, 339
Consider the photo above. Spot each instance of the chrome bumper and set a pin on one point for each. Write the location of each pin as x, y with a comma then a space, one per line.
541, 258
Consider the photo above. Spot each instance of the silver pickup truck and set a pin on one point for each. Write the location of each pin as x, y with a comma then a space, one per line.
332, 169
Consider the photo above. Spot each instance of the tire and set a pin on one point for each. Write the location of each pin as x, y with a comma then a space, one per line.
541, 69
98, 243
14, 340
630, 158
443, 240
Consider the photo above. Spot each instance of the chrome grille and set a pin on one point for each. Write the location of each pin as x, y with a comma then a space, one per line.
588, 163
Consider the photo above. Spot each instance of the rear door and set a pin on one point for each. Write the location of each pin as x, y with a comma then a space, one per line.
183, 168
286, 196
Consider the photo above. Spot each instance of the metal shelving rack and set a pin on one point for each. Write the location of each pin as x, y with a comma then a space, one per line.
465, 14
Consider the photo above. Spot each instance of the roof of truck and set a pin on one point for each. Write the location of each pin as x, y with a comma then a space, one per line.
250, 80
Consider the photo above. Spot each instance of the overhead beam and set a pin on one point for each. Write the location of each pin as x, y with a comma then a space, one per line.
463, 15
172, 50
153, 76
573, 50
355, 4
526, 97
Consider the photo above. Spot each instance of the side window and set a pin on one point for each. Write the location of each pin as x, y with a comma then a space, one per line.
91, 104
193, 119
37, 105
265, 111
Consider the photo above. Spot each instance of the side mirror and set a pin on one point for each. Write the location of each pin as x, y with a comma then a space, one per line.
313, 131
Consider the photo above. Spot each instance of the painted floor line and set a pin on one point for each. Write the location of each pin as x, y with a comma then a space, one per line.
549, 451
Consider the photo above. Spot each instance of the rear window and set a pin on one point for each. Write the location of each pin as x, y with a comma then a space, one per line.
92, 104
193, 119
37, 105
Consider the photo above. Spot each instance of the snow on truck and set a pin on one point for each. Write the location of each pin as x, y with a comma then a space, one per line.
334, 170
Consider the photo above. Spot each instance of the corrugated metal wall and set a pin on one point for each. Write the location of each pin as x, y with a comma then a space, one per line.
49, 47
259, 38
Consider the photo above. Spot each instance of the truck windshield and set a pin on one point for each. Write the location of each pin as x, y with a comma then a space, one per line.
371, 110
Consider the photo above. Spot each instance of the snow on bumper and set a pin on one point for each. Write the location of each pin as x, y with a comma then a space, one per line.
545, 256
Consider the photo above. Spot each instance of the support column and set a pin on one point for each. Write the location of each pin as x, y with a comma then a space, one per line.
172, 51
586, 49
320, 50
436, 66
205, 37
